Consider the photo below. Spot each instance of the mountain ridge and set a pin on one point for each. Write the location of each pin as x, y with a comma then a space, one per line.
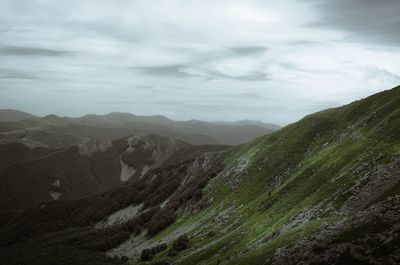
193, 131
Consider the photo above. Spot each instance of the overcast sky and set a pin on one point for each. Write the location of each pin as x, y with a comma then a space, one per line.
274, 61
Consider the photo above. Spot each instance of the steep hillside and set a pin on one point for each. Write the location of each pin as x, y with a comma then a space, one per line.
324, 190
324, 170
89, 226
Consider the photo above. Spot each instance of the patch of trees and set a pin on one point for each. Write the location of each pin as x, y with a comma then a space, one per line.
148, 253
152, 189
180, 244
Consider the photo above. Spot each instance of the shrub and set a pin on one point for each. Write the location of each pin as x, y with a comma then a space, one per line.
181, 243
159, 248
172, 252
146, 255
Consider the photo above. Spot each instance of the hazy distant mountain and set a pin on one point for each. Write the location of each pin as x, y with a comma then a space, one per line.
269, 126
54, 120
223, 132
119, 119
9, 115
193, 131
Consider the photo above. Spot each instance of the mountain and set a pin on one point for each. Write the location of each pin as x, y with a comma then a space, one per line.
323, 190
269, 126
194, 132
31, 176
230, 133
119, 119
9, 115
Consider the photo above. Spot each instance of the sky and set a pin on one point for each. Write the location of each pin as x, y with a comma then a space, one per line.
273, 61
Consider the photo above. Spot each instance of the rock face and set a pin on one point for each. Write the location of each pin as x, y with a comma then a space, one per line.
371, 236
372, 185
142, 152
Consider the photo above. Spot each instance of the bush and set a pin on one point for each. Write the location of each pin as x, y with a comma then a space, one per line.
172, 252
159, 248
146, 255
181, 243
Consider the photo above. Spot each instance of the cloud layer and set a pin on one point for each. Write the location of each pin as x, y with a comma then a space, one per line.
211, 60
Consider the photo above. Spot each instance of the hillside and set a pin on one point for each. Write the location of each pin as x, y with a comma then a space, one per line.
324, 190
32, 176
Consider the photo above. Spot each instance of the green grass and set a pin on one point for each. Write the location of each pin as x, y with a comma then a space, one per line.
308, 155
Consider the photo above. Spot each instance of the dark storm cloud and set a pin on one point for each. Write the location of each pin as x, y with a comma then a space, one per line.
30, 51
373, 20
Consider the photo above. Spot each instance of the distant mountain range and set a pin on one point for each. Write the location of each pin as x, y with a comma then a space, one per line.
63, 158
193, 131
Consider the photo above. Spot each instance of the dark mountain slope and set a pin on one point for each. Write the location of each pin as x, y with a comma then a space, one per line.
30, 176
175, 185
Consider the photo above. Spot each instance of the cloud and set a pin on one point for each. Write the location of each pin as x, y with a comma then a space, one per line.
304, 43
249, 76
30, 51
174, 70
364, 20
247, 50
16, 74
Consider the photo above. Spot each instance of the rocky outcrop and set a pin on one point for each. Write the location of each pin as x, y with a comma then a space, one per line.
369, 237
373, 184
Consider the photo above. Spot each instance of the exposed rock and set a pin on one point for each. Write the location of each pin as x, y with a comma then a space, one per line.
369, 237
372, 185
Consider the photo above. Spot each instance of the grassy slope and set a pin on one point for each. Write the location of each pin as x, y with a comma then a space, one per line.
307, 156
